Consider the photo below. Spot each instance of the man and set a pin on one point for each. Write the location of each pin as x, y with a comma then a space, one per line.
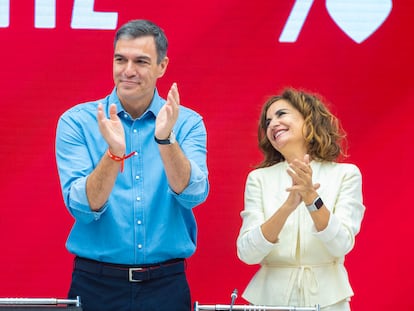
132, 166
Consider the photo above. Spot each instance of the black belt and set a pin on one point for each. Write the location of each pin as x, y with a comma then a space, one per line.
131, 273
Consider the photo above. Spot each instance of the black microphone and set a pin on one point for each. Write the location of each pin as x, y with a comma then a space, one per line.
233, 298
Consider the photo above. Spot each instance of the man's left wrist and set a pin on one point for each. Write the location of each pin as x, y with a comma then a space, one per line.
168, 141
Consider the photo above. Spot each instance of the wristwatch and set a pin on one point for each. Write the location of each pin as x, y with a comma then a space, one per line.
316, 204
170, 140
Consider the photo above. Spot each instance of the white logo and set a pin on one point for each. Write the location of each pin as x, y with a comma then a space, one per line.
358, 19
83, 15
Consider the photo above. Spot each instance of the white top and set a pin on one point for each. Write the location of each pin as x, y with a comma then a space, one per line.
304, 267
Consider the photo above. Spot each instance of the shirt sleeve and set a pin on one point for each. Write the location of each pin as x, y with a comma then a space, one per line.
74, 166
192, 137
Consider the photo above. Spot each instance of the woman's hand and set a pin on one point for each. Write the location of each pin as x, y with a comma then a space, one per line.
301, 173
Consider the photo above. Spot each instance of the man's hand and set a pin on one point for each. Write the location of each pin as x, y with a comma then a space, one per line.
168, 114
112, 130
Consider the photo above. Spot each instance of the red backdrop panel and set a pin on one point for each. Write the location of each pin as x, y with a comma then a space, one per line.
226, 58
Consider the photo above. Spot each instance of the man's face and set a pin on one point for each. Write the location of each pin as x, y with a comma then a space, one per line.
135, 70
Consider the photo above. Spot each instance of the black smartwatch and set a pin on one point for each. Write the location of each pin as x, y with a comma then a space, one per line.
316, 204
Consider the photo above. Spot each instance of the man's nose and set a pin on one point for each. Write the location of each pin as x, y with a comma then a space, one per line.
130, 69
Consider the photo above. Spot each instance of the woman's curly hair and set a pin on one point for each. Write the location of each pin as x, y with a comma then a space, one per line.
322, 131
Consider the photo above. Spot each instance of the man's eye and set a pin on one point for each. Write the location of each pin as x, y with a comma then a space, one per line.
142, 62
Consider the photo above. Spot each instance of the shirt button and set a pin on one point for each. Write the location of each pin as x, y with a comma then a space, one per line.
138, 198
139, 222
135, 130
139, 246
137, 177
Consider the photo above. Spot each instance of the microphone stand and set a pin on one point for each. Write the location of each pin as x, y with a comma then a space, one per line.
233, 299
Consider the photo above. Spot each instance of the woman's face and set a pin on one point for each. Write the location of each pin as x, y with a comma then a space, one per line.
285, 129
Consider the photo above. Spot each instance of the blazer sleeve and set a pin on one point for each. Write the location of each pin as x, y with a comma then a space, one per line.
252, 246
346, 214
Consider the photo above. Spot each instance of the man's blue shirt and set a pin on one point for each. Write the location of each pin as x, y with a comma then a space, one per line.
143, 221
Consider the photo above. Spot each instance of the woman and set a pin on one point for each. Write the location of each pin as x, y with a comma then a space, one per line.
302, 209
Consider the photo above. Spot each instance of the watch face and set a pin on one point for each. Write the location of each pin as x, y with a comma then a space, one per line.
318, 203
172, 138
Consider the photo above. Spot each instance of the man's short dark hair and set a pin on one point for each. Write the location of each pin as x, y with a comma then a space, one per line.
140, 28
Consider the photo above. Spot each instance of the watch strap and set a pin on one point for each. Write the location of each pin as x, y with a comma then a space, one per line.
168, 141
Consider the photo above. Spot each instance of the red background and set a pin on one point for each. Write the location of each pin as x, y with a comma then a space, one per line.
226, 58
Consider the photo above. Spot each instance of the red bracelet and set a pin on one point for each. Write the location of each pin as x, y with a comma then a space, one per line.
120, 159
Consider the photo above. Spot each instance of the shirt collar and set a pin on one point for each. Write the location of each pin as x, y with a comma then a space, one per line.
154, 108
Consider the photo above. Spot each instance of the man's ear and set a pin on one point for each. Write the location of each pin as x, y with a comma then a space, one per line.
163, 66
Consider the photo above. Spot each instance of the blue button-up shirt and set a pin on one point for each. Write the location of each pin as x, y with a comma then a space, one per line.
143, 221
